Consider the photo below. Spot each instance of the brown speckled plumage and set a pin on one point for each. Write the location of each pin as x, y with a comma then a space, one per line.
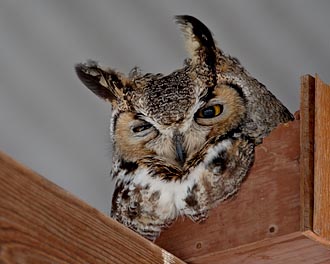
185, 141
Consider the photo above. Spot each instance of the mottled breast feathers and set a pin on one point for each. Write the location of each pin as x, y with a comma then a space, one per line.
182, 142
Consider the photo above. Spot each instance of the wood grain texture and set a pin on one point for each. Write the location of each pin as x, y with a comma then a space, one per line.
307, 117
322, 160
294, 248
268, 204
42, 223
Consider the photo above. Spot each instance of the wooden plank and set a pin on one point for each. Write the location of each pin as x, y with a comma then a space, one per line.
322, 160
307, 112
42, 223
267, 205
293, 248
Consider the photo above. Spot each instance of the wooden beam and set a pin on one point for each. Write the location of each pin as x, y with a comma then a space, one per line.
42, 223
322, 160
294, 248
307, 112
268, 204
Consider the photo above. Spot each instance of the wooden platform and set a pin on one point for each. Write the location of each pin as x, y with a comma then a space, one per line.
280, 215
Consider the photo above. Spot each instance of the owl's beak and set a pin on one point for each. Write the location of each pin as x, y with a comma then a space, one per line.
180, 153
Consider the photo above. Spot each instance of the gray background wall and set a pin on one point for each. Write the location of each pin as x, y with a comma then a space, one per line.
54, 125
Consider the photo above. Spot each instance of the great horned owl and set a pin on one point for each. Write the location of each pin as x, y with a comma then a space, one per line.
182, 142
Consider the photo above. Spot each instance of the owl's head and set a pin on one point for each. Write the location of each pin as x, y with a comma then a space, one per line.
172, 117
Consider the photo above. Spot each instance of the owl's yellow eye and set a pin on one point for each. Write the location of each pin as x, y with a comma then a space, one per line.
210, 111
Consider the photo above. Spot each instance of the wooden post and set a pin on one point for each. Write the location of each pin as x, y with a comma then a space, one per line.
322, 160
307, 112
42, 223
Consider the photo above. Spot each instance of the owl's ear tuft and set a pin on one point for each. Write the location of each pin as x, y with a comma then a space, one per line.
105, 83
199, 40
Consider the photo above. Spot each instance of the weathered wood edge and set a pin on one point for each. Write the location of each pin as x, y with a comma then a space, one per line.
321, 222
307, 117
311, 235
42, 223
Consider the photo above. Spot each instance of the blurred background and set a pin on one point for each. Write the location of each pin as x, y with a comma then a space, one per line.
50, 122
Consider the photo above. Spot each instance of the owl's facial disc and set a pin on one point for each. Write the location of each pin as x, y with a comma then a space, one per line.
138, 135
